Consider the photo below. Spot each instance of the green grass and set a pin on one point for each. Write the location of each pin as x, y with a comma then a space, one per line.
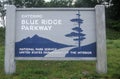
65, 69
112, 34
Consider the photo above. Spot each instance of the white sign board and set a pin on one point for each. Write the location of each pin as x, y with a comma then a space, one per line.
52, 34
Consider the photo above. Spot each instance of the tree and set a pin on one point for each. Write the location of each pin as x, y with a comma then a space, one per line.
85, 3
59, 3
78, 33
2, 11
114, 11
113, 15
41, 3
28, 3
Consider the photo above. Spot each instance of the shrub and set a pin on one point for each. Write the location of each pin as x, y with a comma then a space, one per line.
113, 24
2, 36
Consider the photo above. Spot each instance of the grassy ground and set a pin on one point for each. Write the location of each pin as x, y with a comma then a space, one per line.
65, 69
112, 34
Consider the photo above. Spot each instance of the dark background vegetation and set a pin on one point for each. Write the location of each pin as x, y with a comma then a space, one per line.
67, 69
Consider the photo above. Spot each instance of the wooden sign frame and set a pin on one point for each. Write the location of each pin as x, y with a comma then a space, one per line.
10, 64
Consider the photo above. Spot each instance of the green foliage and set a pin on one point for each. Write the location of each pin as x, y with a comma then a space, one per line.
113, 58
53, 3
2, 36
85, 3
112, 34
29, 3
41, 3
113, 12
113, 44
59, 3
113, 24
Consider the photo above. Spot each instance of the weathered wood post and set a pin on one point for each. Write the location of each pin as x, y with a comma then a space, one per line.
101, 39
9, 64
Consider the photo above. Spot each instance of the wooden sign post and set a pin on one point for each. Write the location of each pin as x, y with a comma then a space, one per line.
55, 34
101, 39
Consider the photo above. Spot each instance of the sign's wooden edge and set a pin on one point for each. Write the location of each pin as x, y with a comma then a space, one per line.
55, 58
